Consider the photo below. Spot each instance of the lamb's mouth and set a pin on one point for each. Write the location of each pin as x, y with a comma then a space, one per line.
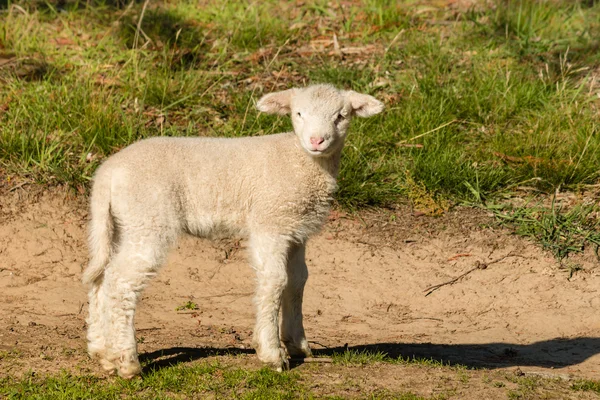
316, 152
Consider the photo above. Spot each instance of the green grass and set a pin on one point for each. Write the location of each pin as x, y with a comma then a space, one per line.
511, 81
562, 232
189, 305
171, 382
204, 380
225, 379
478, 100
355, 357
587, 385
366, 357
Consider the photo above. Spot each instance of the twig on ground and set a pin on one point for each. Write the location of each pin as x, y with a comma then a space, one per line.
148, 329
325, 360
277, 53
243, 294
20, 185
138, 29
400, 32
319, 344
216, 271
457, 256
336, 47
478, 265
431, 289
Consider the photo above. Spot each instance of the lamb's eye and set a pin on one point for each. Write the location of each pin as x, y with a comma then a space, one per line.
339, 118
298, 114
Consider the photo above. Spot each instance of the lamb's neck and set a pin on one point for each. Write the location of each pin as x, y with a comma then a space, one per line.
329, 164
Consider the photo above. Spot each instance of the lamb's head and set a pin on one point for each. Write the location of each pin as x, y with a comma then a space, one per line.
320, 114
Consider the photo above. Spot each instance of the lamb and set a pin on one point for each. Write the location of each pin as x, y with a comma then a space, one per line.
275, 190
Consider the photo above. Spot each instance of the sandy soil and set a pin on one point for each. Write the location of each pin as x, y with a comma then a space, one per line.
366, 290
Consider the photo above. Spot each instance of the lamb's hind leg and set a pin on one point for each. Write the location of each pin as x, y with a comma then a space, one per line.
96, 324
292, 328
269, 255
125, 277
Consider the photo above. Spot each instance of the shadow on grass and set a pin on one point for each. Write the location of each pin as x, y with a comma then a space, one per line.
159, 359
161, 28
26, 68
553, 353
68, 4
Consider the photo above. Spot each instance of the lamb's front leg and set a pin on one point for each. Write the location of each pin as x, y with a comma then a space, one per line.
269, 255
292, 328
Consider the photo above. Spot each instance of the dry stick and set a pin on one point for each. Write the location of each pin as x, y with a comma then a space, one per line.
394, 40
325, 360
400, 32
136, 37
319, 344
148, 329
216, 271
20, 185
428, 132
243, 294
433, 288
336, 46
277, 53
248, 108
478, 265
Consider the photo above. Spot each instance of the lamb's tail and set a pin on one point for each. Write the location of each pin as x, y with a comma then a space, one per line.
101, 229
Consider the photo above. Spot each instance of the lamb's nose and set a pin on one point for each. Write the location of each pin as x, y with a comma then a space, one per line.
316, 140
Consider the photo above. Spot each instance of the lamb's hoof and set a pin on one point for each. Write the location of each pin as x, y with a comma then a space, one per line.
301, 350
129, 370
128, 365
108, 366
284, 363
277, 358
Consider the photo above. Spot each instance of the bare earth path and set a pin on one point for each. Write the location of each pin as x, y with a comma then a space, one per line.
366, 290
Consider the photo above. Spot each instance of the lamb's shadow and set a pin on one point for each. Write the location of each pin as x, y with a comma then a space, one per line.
159, 359
553, 353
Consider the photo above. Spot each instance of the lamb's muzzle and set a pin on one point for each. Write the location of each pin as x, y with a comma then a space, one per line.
274, 190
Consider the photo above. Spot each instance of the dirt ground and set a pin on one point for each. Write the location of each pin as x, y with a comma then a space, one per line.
367, 289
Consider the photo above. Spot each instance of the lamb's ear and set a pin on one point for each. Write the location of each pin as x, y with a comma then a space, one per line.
363, 104
276, 103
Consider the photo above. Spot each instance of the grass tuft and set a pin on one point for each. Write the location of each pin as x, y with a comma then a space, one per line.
586, 385
366, 357
561, 231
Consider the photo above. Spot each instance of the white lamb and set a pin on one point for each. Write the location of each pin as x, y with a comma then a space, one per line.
275, 190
